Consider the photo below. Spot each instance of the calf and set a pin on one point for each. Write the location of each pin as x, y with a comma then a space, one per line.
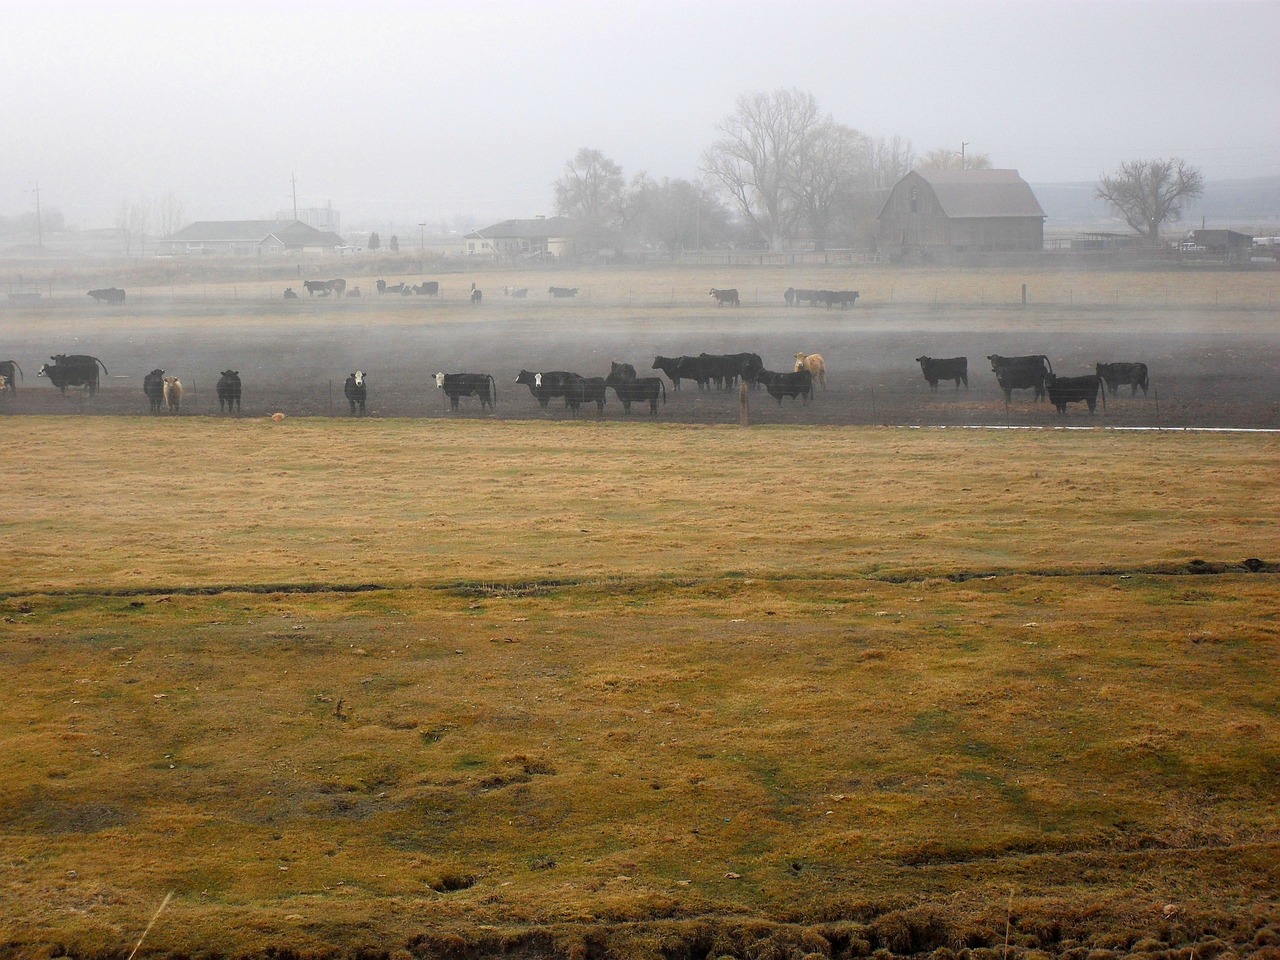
725, 296
644, 389
952, 368
229, 390
1021, 373
816, 366
779, 385
356, 390
458, 385
1064, 390
153, 387
1115, 375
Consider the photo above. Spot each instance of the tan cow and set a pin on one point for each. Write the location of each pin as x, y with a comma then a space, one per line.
173, 394
816, 366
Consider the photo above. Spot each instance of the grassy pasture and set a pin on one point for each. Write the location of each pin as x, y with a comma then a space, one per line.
636, 690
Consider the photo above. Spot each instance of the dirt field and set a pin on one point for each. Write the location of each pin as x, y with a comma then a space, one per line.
1214, 359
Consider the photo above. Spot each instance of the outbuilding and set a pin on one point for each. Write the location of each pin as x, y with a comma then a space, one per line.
542, 238
938, 213
248, 238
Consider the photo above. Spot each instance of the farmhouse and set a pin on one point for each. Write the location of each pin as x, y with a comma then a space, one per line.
937, 213
541, 238
247, 238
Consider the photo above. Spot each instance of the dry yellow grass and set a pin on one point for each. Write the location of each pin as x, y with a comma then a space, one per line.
635, 690
138, 503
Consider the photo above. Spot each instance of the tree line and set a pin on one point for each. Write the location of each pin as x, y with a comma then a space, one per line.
781, 170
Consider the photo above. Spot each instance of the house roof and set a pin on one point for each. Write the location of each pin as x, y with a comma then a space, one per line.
289, 232
982, 193
537, 229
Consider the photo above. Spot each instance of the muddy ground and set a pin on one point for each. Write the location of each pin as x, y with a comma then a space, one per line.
1207, 369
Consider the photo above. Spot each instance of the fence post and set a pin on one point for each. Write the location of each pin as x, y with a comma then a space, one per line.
1024, 294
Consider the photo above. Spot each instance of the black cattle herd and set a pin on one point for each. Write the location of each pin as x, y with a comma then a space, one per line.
707, 371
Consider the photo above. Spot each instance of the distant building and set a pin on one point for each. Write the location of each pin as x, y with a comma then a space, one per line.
940, 212
1228, 245
536, 239
248, 238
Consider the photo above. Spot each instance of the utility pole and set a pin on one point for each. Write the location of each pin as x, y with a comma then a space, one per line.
39, 225
293, 181
422, 239
963, 144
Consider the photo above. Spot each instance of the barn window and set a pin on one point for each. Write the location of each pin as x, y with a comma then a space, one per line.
914, 198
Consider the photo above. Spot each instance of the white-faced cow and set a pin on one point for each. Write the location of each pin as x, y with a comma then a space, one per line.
73, 370
476, 295
950, 368
356, 390
553, 383
458, 385
153, 388
229, 390
723, 297
816, 366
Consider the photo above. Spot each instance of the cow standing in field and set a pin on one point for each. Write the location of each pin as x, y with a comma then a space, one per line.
112, 295
680, 368
560, 293
476, 295
74, 370
1064, 390
725, 296
638, 390
553, 383
816, 366
458, 385
173, 394
229, 390
587, 390
153, 387
7, 370
356, 390
793, 385
1115, 375
951, 368
1022, 373
844, 298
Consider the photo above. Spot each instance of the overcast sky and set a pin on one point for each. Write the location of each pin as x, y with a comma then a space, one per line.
408, 110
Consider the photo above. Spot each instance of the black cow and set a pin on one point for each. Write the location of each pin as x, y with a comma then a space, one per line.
112, 295
356, 390
725, 296
798, 295
624, 370
1021, 373
381, 285
725, 368
7, 369
561, 292
458, 385
641, 390
74, 370
153, 388
229, 390
585, 390
779, 385
845, 298
1115, 375
680, 368
289, 294
476, 295
519, 293
428, 288
952, 368
555, 383
1064, 390
322, 287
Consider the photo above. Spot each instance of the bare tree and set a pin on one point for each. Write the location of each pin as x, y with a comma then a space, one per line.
888, 161
170, 215
132, 218
946, 159
591, 192
830, 170
758, 155
676, 213
1149, 192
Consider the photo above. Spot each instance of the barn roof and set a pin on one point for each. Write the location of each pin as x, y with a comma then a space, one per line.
537, 229
291, 232
982, 193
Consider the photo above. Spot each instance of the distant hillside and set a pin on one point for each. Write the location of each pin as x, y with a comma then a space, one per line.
1247, 205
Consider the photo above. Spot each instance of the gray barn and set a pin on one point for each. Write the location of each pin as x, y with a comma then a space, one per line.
936, 213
